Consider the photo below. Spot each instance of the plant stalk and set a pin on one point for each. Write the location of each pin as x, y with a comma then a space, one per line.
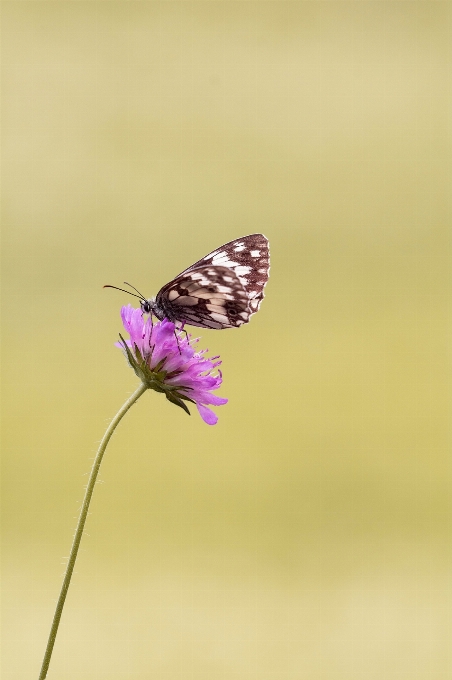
81, 524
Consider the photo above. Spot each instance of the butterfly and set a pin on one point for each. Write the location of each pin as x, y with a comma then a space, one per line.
222, 290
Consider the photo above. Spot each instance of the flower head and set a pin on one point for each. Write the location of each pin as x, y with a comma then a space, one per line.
166, 361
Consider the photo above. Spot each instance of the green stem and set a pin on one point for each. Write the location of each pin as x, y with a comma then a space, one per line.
81, 523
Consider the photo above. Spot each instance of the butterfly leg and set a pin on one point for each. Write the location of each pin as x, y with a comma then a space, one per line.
181, 330
150, 334
177, 340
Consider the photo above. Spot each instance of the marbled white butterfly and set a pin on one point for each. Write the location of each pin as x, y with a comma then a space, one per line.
222, 290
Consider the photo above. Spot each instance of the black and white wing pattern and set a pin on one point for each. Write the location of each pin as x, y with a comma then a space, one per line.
210, 297
249, 258
223, 289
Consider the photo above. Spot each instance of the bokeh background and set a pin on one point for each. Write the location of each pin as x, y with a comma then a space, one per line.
307, 535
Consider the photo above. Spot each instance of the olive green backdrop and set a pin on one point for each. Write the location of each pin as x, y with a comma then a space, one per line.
307, 535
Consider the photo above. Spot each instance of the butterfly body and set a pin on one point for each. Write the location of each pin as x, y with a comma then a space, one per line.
222, 290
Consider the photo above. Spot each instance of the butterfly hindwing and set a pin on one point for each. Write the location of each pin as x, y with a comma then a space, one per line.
208, 296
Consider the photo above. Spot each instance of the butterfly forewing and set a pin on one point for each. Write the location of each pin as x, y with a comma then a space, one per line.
223, 289
249, 258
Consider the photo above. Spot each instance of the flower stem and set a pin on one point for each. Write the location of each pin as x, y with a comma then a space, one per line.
81, 523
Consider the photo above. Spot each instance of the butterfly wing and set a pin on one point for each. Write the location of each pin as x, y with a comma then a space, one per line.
208, 296
248, 258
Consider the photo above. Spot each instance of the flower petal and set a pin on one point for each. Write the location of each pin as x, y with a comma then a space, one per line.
207, 398
207, 415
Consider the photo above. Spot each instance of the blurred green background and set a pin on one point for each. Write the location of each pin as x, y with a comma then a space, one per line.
307, 535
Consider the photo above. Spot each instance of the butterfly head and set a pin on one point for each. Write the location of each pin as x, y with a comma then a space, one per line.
147, 306
151, 306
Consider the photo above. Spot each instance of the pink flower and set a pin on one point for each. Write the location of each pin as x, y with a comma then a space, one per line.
171, 365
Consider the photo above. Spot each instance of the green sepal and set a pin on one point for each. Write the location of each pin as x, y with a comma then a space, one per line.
133, 363
159, 366
160, 376
178, 401
184, 396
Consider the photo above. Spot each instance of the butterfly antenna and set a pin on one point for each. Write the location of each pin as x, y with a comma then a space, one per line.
129, 284
140, 297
